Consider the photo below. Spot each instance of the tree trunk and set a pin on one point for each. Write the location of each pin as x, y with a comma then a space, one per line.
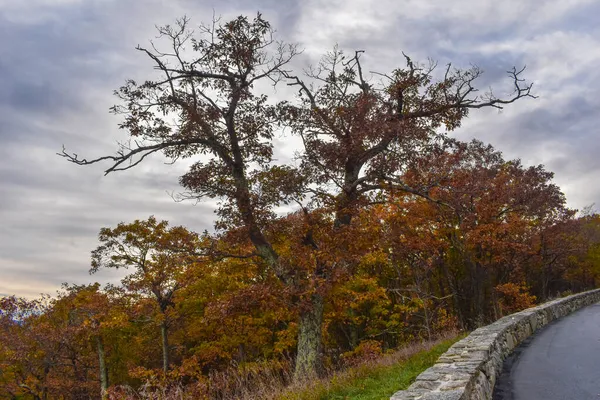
103, 368
45, 388
165, 345
427, 320
454, 291
310, 346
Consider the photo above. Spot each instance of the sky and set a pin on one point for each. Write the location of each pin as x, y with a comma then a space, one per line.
60, 61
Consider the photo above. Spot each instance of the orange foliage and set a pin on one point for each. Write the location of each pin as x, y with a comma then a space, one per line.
514, 298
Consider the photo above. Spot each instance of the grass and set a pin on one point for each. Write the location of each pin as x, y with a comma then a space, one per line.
380, 383
377, 380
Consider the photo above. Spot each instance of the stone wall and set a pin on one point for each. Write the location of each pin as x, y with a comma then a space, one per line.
468, 370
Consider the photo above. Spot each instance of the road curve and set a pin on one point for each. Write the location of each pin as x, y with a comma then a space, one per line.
560, 362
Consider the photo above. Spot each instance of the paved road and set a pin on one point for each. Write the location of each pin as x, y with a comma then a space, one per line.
560, 362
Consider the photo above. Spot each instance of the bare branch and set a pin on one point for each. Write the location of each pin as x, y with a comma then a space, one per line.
144, 151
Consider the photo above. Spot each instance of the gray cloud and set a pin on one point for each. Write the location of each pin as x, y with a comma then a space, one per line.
62, 59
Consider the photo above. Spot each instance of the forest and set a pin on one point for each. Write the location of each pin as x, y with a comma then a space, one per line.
382, 231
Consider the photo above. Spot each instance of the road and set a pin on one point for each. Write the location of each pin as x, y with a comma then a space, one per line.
560, 362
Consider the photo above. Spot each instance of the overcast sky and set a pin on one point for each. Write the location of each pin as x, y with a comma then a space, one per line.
60, 60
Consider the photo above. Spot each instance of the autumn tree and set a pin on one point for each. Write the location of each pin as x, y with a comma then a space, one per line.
489, 211
358, 137
47, 353
233, 312
159, 256
566, 256
361, 136
24, 363
97, 315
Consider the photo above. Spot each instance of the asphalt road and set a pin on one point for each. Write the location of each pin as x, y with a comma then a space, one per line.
560, 362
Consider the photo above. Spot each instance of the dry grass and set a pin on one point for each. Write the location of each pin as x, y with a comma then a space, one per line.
373, 371
272, 380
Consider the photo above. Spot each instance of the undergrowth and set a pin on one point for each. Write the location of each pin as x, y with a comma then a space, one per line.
376, 379
370, 379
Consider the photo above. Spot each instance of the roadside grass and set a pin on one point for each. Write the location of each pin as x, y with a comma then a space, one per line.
370, 379
376, 380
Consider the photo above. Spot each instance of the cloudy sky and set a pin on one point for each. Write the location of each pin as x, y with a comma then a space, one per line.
60, 60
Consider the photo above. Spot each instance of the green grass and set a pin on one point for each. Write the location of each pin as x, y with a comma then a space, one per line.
381, 382
374, 382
